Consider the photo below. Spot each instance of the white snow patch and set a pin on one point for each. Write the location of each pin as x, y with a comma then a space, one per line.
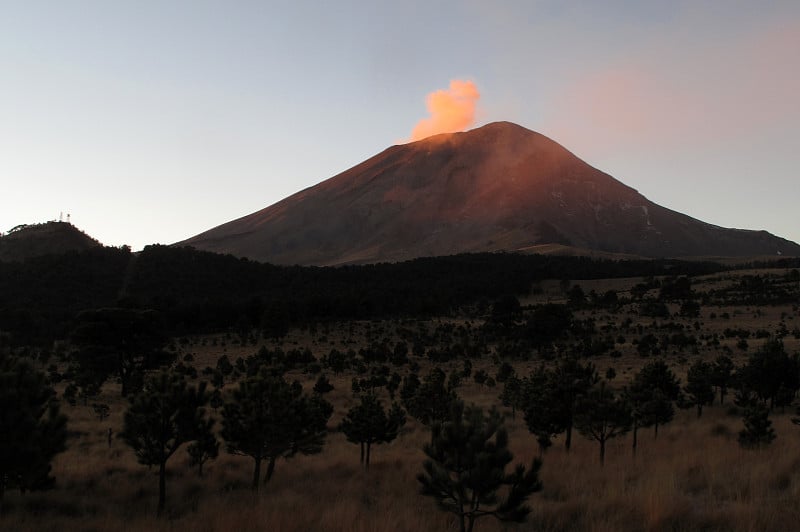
646, 215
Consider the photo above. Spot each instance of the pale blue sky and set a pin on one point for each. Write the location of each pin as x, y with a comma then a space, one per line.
151, 121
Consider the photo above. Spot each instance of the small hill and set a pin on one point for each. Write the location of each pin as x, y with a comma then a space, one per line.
499, 187
50, 238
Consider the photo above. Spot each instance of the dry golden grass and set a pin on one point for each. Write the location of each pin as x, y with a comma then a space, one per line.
694, 476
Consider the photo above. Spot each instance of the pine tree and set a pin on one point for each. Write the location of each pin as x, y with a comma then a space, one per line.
430, 400
656, 411
205, 447
757, 431
543, 418
368, 423
117, 341
465, 468
699, 385
323, 385
268, 418
770, 374
650, 398
512, 394
721, 375
162, 416
453, 380
602, 416
549, 399
637, 397
32, 431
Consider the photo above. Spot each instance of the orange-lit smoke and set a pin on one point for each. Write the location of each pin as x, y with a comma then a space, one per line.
451, 110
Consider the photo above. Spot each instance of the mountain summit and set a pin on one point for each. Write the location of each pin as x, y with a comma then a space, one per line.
51, 238
499, 187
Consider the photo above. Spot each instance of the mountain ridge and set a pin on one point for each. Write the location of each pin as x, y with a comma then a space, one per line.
500, 187
33, 240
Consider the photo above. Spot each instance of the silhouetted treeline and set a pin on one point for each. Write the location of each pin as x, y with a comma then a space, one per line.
40, 297
787, 262
202, 292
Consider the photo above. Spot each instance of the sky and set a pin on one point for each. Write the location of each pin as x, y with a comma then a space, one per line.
150, 121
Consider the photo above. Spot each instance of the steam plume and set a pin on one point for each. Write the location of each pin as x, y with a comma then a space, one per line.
450, 110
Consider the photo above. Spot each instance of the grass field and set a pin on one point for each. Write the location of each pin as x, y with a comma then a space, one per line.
693, 476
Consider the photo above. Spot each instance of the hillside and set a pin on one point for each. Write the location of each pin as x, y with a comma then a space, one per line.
50, 238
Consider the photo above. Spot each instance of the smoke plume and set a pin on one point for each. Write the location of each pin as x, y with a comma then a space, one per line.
450, 110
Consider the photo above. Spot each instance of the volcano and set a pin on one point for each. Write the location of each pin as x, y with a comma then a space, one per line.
499, 187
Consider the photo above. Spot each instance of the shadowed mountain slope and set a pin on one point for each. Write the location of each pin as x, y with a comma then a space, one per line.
499, 187
51, 238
